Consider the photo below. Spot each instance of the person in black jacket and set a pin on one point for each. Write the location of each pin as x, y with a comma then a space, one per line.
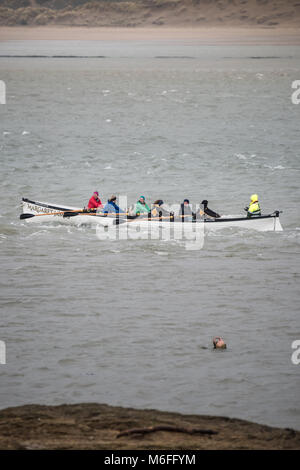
207, 211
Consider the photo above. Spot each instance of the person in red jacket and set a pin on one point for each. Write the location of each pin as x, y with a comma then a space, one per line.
95, 201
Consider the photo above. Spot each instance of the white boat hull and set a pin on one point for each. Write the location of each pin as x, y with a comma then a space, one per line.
263, 223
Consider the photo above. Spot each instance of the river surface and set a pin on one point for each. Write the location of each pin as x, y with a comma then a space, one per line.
131, 322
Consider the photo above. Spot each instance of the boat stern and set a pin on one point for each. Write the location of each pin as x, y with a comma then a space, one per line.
277, 224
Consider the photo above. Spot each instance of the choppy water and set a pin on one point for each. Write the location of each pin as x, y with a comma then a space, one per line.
130, 322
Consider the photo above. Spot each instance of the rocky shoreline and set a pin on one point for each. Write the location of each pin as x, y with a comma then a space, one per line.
97, 426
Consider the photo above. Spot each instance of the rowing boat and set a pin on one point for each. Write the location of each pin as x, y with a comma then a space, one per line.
75, 216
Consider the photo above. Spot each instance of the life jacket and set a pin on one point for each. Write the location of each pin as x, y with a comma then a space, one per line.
254, 208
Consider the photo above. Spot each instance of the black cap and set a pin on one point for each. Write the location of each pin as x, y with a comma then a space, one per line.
159, 202
186, 200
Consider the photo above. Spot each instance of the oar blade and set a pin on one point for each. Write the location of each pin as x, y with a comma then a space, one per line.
26, 216
118, 221
70, 214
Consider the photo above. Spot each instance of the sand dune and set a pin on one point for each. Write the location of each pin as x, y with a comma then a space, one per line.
132, 13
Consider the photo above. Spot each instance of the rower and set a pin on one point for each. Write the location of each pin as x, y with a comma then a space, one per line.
111, 206
159, 208
254, 207
204, 210
95, 201
141, 206
185, 208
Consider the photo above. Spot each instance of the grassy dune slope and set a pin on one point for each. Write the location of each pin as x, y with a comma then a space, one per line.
267, 13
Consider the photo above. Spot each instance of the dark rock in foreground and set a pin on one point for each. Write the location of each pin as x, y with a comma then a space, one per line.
93, 426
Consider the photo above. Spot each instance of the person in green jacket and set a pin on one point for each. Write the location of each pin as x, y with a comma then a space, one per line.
141, 206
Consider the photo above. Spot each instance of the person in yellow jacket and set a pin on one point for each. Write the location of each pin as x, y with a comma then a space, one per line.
254, 207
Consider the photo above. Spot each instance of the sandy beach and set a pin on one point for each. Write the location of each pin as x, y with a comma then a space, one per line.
205, 36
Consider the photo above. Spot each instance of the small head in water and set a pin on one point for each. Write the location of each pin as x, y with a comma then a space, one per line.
219, 343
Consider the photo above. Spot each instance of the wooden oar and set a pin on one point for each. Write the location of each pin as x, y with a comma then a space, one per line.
74, 214
100, 214
29, 216
70, 214
118, 220
66, 214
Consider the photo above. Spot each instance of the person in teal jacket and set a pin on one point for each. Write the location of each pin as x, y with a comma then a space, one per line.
141, 206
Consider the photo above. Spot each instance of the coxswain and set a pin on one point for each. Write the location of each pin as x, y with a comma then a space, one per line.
141, 206
111, 206
254, 207
95, 201
219, 343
